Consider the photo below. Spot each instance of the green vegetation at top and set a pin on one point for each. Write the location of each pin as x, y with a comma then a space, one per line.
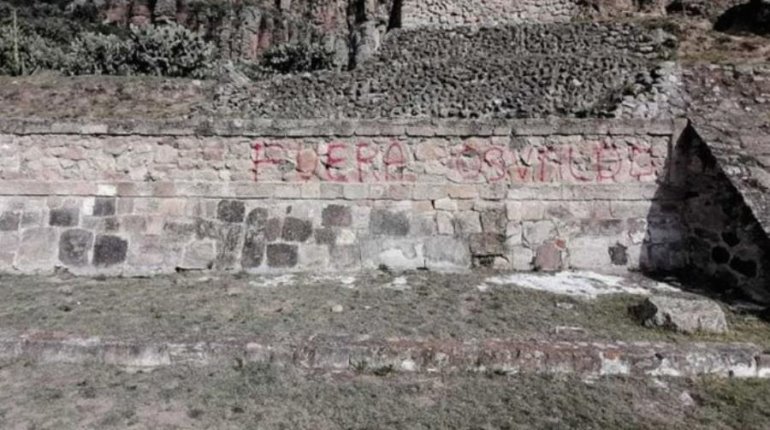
70, 38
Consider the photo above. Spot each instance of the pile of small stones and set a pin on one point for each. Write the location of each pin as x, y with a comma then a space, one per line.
533, 70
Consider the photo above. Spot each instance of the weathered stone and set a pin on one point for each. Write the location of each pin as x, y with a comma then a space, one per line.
281, 255
618, 254
336, 216
64, 217
273, 229
231, 211
494, 220
199, 255
257, 218
109, 250
228, 245
74, 246
467, 222
446, 253
548, 257
397, 254
253, 251
689, 315
325, 236
178, 231
388, 223
296, 230
9, 221
37, 249
487, 244
104, 206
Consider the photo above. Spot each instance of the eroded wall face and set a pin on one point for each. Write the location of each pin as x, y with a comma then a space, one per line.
527, 195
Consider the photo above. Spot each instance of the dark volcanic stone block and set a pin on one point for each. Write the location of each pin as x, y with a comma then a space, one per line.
618, 255
296, 230
104, 206
65, 217
231, 211
109, 250
74, 246
337, 216
388, 223
325, 236
273, 229
281, 255
257, 218
253, 251
9, 221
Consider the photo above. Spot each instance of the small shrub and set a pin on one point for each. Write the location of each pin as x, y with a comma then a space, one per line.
34, 52
99, 54
170, 50
297, 58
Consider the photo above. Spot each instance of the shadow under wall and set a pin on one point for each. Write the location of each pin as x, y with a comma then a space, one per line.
700, 230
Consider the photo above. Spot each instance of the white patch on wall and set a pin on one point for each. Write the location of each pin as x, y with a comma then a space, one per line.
579, 284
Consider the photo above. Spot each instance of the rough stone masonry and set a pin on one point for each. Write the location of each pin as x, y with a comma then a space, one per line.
324, 195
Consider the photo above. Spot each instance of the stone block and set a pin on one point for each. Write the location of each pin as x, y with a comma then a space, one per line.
686, 315
446, 253
232, 211
525, 211
549, 257
281, 255
590, 253
37, 250
10, 221
296, 230
493, 220
467, 222
74, 247
325, 236
315, 257
522, 258
444, 223
199, 255
445, 205
336, 216
63, 217
385, 222
104, 206
109, 250
538, 232
253, 253
487, 244
397, 254
273, 229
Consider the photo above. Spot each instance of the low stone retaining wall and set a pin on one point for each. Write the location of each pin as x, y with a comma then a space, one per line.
586, 359
141, 198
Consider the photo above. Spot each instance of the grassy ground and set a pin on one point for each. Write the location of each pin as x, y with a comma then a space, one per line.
258, 397
283, 308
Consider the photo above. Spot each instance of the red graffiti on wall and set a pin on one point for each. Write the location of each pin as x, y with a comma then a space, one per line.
370, 162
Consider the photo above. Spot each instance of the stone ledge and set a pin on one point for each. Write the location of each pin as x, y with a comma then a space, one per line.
586, 359
342, 128
339, 191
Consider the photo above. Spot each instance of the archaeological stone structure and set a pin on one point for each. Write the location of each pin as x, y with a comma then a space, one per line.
473, 134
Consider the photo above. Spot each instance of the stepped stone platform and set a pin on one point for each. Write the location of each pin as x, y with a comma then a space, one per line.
511, 71
413, 322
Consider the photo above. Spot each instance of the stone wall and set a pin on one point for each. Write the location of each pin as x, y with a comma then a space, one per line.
726, 243
283, 195
420, 13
